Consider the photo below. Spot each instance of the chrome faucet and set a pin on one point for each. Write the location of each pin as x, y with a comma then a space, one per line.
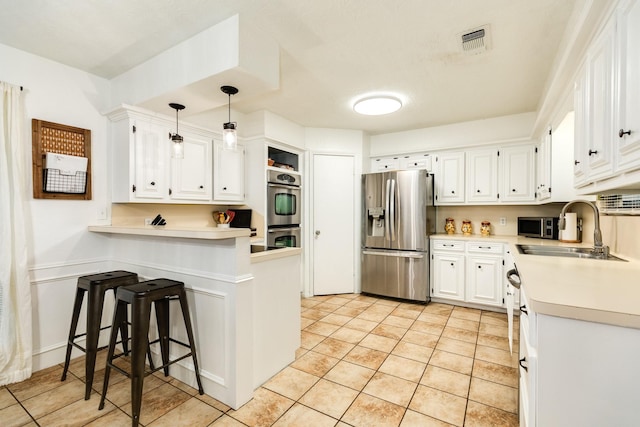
599, 249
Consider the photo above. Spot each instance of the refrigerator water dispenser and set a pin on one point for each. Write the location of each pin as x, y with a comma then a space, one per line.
375, 224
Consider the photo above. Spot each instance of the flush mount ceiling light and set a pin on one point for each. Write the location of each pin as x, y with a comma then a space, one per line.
178, 146
377, 105
229, 133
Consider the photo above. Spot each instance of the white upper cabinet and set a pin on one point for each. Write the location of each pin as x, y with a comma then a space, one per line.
228, 180
517, 164
607, 106
600, 95
416, 161
482, 176
628, 129
385, 164
144, 170
191, 175
151, 145
543, 168
449, 178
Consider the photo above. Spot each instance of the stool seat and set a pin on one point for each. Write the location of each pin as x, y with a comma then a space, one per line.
140, 297
96, 285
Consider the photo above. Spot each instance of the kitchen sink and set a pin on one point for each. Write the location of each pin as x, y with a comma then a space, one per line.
564, 251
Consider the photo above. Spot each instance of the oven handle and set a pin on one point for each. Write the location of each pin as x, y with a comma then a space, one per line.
288, 187
276, 230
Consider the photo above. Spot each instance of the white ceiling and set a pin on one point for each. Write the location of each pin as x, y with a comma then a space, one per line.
332, 51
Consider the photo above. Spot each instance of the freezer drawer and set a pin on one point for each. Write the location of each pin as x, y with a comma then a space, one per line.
399, 274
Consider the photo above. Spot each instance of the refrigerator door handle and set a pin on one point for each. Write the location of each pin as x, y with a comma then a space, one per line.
388, 213
394, 254
392, 211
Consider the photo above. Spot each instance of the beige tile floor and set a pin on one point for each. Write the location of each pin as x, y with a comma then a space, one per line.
364, 361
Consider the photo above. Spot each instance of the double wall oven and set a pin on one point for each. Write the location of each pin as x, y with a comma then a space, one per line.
283, 208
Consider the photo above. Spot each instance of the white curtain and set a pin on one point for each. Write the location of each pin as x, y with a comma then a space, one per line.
15, 292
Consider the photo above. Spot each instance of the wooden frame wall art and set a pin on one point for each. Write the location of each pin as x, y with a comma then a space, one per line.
53, 138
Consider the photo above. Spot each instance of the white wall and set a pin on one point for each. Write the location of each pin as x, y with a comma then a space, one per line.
516, 127
60, 247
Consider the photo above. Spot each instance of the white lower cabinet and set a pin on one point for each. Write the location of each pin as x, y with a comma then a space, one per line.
576, 373
484, 273
469, 271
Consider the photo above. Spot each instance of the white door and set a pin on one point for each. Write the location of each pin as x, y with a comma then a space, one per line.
334, 224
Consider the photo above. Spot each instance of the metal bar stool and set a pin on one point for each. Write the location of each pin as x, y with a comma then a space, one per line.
96, 285
141, 296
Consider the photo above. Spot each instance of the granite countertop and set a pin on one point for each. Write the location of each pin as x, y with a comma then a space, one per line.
576, 288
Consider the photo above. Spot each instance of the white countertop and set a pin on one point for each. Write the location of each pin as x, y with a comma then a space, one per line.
576, 288
209, 233
274, 254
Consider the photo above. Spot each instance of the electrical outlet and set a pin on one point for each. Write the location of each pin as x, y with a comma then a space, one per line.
503, 221
147, 221
101, 213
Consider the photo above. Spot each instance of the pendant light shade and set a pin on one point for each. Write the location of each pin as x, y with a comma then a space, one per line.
229, 133
178, 141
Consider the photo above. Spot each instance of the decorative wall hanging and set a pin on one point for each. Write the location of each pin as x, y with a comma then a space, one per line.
61, 161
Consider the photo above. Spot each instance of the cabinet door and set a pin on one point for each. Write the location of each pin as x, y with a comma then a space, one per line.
581, 122
228, 175
385, 164
152, 146
418, 161
518, 173
191, 175
482, 176
448, 276
543, 168
628, 145
449, 178
484, 280
600, 60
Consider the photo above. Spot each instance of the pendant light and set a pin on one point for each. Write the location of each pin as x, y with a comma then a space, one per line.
178, 145
229, 133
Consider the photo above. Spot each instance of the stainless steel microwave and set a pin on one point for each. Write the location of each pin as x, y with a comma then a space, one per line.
537, 226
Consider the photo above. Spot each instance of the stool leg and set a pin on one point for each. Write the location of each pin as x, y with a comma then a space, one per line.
94, 319
187, 323
77, 306
119, 316
140, 317
124, 328
162, 318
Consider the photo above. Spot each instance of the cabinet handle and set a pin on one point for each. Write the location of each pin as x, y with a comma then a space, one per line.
479, 267
224, 188
477, 191
591, 152
153, 183
484, 247
575, 162
523, 308
524, 359
513, 190
453, 192
452, 264
622, 133
201, 187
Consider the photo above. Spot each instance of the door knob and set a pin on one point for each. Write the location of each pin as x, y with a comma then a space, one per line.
317, 232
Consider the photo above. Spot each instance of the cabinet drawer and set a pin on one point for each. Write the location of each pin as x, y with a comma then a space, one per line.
447, 245
485, 247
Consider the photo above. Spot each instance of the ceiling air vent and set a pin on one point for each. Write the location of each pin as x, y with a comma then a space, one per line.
476, 41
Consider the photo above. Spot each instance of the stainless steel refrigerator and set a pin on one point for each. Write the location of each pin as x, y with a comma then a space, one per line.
398, 217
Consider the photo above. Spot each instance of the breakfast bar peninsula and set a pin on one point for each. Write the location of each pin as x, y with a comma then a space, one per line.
246, 322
